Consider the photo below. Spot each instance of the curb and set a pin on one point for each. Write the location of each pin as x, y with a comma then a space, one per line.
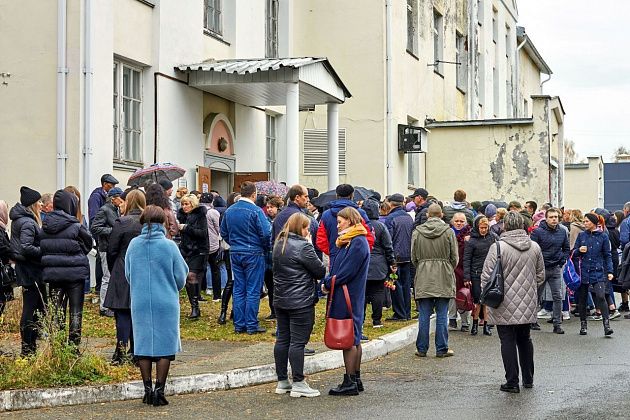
237, 378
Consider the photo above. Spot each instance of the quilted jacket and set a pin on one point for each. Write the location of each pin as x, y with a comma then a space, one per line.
524, 272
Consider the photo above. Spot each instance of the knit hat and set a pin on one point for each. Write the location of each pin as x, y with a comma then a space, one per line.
166, 184
593, 218
490, 211
29, 196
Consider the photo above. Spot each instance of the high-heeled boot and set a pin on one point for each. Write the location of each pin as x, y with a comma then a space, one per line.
191, 290
359, 382
583, 326
475, 327
347, 387
148, 392
158, 395
486, 329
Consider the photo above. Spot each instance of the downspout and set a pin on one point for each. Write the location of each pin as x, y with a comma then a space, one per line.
87, 103
518, 75
549, 139
388, 83
543, 82
62, 74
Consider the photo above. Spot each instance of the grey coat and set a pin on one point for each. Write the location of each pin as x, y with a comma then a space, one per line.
524, 272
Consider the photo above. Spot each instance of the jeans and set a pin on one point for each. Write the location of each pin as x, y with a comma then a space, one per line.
216, 275
248, 271
553, 276
375, 294
72, 292
517, 349
294, 330
426, 307
401, 297
33, 305
105, 280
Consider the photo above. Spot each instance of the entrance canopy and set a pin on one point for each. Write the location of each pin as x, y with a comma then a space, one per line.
264, 82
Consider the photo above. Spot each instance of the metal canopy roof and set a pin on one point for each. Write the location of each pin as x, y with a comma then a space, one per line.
263, 82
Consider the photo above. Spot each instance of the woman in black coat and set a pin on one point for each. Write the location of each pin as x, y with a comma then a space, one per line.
475, 252
65, 243
6, 292
25, 235
295, 270
194, 247
118, 299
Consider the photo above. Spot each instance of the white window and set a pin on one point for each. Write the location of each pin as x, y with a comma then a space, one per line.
412, 27
127, 113
271, 13
461, 58
438, 42
316, 152
413, 169
212, 16
272, 151
495, 90
525, 108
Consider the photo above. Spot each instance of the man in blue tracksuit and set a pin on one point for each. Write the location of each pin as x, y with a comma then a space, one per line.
248, 232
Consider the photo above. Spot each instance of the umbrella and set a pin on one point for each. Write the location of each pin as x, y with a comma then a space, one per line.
271, 188
155, 173
360, 194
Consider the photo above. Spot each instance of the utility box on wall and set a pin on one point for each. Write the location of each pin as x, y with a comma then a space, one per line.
412, 139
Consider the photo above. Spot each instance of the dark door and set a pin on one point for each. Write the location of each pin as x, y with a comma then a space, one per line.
240, 177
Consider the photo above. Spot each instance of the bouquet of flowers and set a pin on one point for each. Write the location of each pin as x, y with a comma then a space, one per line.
390, 282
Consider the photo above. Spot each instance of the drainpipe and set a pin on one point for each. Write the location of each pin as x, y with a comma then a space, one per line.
518, 74
62, 74
87, 103
388, 82
543, 82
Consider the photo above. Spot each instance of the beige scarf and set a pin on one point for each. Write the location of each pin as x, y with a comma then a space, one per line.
346, 235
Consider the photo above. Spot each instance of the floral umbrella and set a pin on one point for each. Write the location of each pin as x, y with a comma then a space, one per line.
271, 188
155, 173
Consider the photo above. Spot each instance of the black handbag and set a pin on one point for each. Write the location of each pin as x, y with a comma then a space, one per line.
7, 275
493, 292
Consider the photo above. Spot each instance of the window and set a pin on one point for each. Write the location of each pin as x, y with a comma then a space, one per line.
127, 113
271, 13
438, 42
412, 27
495, 90
480, 12
272, 164
316, 152
212, 17
413, 169
461, 57
525, 108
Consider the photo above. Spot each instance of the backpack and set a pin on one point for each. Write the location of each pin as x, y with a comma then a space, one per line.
570, 275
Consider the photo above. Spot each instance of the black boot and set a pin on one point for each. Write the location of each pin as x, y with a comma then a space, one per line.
583, 328
475, 327
359, 382
607, 330
148, 392
222, 316
158, 395
347, 387
191, 290
119, 355
486, 329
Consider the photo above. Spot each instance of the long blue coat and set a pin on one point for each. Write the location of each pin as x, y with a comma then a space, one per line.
351, 267
156, 272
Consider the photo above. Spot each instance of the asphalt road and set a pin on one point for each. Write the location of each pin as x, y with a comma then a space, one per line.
576, 378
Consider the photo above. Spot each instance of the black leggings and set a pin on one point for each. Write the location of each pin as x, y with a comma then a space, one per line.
269, 283
124, 329
34, 305
216, 275
375, 294
598, 291
229, 285
72, 293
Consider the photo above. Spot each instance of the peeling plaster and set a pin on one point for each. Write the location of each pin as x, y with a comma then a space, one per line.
497, 168
521, 163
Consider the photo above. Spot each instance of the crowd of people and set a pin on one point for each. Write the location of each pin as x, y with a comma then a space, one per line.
383, 251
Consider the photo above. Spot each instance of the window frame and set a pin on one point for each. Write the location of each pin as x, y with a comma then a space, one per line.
271, 139
271, 28
461, 57
412, 27
215, 9
121, 155
438, 42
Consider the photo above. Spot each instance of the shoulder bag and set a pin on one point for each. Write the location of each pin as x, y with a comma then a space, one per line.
7, 275
570, 275
493, 293
339, 333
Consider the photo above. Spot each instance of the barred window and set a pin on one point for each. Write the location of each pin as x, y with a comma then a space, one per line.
212, 16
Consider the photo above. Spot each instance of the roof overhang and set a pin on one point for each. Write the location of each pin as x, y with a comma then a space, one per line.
263, 82
531, 50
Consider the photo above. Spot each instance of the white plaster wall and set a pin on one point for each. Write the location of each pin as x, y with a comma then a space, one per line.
249, 146
180, 34
133, 28
250, 29
583, 186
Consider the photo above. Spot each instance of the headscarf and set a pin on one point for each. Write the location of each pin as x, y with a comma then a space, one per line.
346, 235
4, 214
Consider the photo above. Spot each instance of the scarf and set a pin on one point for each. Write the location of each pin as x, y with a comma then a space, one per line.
346, 235
4, 215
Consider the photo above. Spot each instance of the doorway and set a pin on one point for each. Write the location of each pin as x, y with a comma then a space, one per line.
221, 181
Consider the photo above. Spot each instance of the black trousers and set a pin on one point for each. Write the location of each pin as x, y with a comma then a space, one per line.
124, 328
598, 292
517, 349
375, 294
294, 331
33, 305
98, 272
216, 275
269, 283
229, 285
72, 293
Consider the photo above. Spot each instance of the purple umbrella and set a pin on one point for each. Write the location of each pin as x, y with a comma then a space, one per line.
271, 188
155, 173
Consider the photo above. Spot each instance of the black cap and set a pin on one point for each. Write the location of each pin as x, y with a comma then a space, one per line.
29, 196
166, 184
419, 192
109, 178
206, 198
344, 190
398, 198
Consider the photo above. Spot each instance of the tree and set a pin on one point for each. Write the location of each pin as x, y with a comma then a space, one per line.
570, 155
619, 151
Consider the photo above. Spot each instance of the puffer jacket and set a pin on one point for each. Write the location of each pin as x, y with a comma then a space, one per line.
195, 234
523, 271
65, 244
382, 254
101, 226
295, 273
554, 244
25, 250
475, 252
434, 254
421, 214
458, 207
400, 225
596, 263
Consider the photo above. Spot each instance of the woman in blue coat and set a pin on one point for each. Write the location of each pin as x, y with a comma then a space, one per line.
156, 272
350, 267
593, 260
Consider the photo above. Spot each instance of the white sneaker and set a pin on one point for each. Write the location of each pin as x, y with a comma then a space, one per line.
301, 389
283, 387
615, 314
544, 314
566, 315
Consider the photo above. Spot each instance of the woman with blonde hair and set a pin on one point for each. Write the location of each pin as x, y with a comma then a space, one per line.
349, 268
497, 228
295, 270
577, 226
118, 298
194, 246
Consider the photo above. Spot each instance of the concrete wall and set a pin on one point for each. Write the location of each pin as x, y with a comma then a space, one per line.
584, 185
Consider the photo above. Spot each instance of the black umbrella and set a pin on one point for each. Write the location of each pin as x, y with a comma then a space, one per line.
324, 199
362, 194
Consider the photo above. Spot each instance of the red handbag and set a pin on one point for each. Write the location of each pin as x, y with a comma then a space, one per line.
339, 333
464, 300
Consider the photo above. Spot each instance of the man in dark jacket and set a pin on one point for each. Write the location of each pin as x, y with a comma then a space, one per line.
419, 198
101, 228
298, 202
459, 205
400, 225
527, 218
554, 244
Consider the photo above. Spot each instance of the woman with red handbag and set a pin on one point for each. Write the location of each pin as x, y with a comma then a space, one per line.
346, 283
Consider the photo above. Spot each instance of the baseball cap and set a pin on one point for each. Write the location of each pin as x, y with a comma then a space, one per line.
420, 192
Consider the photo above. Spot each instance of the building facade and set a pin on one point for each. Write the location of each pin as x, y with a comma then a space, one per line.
584, 184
